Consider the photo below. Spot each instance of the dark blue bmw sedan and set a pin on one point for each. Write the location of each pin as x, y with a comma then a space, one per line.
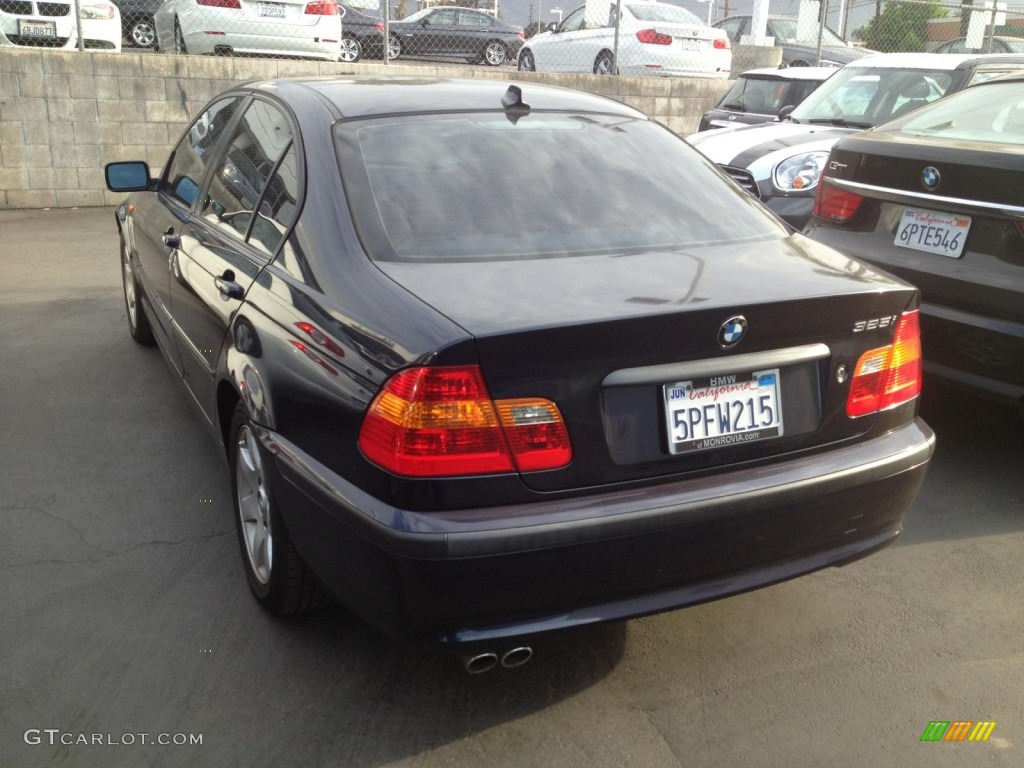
492, 360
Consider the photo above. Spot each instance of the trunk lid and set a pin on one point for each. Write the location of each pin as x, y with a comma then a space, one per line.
601, 336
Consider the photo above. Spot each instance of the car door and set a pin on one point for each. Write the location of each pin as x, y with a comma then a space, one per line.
570, 47
159, 219
435, 35
474, 30
248, 203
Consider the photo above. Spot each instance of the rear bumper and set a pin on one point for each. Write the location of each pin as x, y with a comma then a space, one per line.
487, 574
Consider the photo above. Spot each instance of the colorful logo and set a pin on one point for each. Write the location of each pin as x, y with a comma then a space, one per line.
958, 730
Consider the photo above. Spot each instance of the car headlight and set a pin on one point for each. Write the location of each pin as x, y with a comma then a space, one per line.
800, 172
97, 11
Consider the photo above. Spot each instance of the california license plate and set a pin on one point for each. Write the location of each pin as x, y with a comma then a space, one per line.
692, 45
37, 28
273, 10
934, 232
720, 411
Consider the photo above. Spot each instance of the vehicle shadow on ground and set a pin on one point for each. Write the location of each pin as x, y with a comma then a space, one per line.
975, 485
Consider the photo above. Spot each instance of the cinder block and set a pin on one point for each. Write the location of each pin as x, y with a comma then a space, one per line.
35, 198
91, 178
646, 104
13, 178
42, 178
287, 69
92, 87
108, 110
257, 69
164, 66
64, 155
684, 88
142, 88
8, 85
157, 156
124, 64
28, 156
113, 199
82, 198
87, 156
209, 67
11, 133
21, 61
66, 63
37, 132
164, 112
57, 109
59, 134
195, 90
83, 110
144, 133
117, 153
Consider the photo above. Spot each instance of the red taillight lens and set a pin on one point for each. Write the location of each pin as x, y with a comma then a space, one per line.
322, 8
834, 204
436, 422
380, 27
723, 43
653, 37
888, 376
220, 3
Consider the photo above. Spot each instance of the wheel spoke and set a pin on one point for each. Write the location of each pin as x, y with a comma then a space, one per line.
253, 505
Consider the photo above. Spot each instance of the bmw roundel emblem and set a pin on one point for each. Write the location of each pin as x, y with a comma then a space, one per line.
930, 178
732, 331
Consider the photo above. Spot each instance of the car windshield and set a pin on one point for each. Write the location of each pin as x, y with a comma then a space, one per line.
762, 95
788, 31
663, 12
496, 187
993, 113
866, 96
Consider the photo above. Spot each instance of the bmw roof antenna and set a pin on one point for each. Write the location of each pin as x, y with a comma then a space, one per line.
512, 101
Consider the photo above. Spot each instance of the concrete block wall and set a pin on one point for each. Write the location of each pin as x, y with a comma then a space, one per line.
64, 115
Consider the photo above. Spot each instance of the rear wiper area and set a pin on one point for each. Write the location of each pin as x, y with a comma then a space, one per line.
839, 123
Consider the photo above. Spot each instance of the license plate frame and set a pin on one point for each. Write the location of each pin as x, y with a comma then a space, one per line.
272, 10
944, 234
691, 46
723, 411
44, 30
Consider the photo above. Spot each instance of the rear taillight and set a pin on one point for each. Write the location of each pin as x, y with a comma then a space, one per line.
220, 3
653, 37
380, 27
322, 8
723, 43
888, 376
834, 204
441, 422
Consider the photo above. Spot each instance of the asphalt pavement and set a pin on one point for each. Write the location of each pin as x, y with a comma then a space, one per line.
124, 609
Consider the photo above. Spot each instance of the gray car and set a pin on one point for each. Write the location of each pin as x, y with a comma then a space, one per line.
799, 45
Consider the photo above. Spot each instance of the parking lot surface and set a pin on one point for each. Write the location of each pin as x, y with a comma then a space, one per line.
125, 610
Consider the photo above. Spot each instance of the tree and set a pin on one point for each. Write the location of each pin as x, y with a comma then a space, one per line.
901, 26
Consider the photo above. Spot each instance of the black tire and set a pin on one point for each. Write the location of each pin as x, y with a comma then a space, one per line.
494, 53
278, 577
526, 62
351, 49
179, 40
394, 48
138, 323
799, 63
604, 64
142, 33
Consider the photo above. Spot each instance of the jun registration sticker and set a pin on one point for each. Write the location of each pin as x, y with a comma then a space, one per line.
721, 411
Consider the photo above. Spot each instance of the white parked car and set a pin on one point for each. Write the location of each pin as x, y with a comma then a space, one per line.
654, 39
32, 24
307, 28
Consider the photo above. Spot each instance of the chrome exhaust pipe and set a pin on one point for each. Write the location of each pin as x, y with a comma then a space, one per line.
480, 662
517, 657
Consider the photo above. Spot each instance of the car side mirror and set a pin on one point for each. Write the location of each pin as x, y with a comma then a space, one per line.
552, 26
127, 176
341, 12
786, 110
425, 23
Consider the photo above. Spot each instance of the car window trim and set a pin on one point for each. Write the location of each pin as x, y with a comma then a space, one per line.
262, 257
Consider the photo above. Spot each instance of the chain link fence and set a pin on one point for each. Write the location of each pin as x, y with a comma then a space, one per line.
687, 38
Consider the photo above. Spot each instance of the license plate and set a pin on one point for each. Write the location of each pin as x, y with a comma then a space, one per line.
273, 10
692, 45
721, 411
934, 232
37, 28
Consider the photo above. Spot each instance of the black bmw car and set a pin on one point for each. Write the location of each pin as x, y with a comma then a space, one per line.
455, 33
361, 35
477, 407
937, 198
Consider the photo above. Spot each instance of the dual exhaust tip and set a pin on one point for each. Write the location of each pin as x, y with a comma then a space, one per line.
479, 663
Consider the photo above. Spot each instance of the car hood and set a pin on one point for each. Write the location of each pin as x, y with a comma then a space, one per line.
759, 148
841, 54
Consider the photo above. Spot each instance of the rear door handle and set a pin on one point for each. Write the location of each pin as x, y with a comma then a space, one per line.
171, 240
227, 286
